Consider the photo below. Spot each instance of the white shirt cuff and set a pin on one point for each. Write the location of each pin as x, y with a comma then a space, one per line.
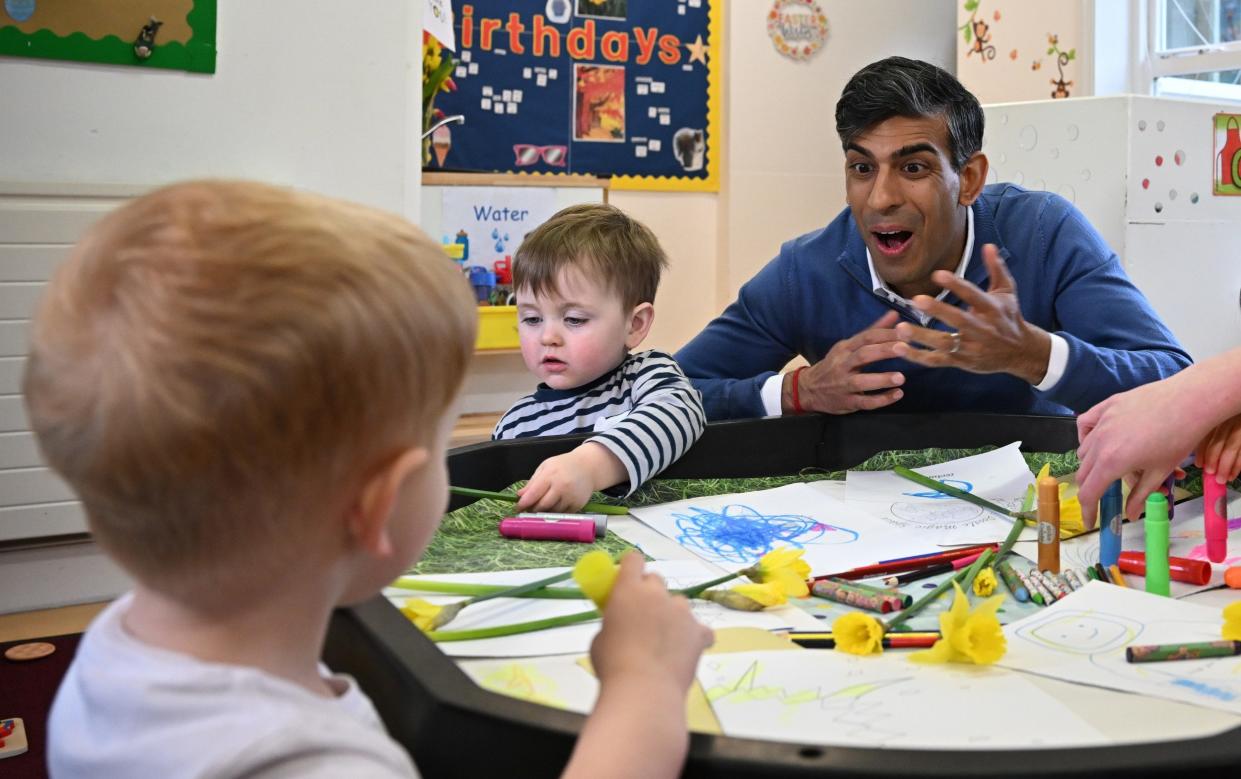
770, 393
1056, 363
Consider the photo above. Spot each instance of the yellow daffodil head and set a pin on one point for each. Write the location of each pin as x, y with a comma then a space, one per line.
595, 573
858, 634
1070, 514
984, 582
784, 566
427, 616
1232, 621
748, 597
968, 637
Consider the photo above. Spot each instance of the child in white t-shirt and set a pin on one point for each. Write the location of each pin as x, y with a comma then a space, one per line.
252, 390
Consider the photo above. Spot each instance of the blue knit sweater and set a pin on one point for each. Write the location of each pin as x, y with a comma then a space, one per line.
818, 291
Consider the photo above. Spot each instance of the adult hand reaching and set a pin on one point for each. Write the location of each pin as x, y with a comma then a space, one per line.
991, 334
1141, 435
836, 384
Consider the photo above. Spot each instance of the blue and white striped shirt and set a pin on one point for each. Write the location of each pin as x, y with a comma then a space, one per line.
645, 412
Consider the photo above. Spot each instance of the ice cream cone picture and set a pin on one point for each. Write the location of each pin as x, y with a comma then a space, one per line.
441, 142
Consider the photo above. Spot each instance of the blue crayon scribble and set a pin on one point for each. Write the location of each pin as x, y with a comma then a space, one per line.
739, 534
1205, 689
964, 486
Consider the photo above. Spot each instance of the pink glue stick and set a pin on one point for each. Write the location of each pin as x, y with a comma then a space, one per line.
548, 529
1215, 505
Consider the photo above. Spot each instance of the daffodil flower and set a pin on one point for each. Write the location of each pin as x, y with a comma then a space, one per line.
968, 637
748, 597
427, 616
1232, 621
783, 566
858, 634
595, 573
985, 583
1070, 507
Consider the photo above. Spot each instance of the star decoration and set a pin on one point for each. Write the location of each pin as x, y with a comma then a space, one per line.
697, 50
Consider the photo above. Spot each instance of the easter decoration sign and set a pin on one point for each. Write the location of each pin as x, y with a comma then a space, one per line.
608, 88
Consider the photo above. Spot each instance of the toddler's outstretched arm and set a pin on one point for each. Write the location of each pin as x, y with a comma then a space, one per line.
645, 658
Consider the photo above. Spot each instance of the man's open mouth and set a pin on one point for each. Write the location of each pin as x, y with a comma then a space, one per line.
892, 241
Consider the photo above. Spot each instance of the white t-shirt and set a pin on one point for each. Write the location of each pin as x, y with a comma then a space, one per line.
129, 709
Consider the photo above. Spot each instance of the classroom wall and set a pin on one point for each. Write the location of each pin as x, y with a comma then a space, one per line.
320, 99
1012, 61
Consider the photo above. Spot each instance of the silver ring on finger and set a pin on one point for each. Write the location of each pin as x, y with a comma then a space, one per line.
956, 343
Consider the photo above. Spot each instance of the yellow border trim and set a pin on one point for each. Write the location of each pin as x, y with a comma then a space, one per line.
715, 141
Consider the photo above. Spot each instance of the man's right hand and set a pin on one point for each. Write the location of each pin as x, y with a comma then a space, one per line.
837, 385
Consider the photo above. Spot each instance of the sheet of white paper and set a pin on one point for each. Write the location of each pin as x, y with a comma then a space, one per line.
825, 697
1001, 476
575, 639
559, 682
1186, 538
1083, 638
735, 530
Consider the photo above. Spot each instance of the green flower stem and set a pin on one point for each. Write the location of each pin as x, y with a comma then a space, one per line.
906, 614
978, 565
698, 589
514, 629
948, 489
518, 591
589, 508
493, 590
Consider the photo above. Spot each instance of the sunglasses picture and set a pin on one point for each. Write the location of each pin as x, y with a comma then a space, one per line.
529, 154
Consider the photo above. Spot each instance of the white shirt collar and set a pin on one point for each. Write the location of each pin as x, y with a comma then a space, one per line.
882, 289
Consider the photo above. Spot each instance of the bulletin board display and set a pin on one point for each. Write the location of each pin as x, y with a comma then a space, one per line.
627, 89
105, 31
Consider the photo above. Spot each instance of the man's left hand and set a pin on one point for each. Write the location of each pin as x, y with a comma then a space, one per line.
991, 334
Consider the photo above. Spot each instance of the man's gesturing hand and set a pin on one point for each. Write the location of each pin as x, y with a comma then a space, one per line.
837, 385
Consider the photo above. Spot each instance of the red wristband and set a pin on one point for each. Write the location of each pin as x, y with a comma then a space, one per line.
797, 409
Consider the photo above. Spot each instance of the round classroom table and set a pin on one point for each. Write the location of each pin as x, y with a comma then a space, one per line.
453, 727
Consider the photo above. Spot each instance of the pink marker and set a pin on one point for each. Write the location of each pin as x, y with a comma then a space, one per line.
1215, 504
548, 529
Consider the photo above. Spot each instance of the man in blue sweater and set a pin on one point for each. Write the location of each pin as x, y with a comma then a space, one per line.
931, 292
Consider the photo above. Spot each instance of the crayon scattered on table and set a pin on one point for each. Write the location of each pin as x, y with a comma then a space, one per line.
1158, 653
884, 592
1091, 573
1117, 578
845, 592
1013, 581
1101, 573
1075, 580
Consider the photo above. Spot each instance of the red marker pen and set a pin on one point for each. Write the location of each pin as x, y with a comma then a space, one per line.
548, 529
1180, 569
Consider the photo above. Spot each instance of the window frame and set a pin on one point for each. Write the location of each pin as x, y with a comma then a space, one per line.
1168, 64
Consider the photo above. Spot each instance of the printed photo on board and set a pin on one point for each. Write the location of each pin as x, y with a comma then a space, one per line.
690, 147
608, 9
599, 103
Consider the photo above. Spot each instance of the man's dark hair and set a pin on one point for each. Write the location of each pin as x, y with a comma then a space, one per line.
898, 86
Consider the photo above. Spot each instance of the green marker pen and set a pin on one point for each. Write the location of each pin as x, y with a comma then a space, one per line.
1158, 575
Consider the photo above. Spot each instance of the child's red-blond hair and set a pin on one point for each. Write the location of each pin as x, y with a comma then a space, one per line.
218, 363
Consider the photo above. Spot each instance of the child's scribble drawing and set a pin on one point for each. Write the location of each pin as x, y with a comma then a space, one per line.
739, 534
964, 486
886, 701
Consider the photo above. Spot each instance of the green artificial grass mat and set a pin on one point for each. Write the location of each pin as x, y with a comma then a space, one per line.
468, 539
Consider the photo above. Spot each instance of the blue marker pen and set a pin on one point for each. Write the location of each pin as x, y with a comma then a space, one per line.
1111, 515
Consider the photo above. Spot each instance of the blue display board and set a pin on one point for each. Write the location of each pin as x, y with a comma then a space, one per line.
620, 88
